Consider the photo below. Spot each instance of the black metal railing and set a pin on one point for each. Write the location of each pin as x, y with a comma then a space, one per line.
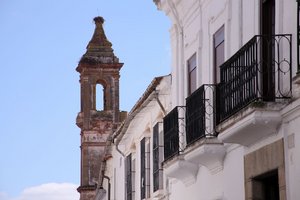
200, 113
174, 132
261, 69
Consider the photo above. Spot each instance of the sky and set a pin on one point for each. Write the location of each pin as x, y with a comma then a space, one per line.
41, 43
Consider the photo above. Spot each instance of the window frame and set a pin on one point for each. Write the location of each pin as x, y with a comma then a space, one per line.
157, 156
218, 41
143, 168
129, 177
192, 74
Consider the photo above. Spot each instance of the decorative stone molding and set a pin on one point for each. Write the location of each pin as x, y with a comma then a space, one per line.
262, 161
253, 127
159, 194
182, 170
296, 79
296, 86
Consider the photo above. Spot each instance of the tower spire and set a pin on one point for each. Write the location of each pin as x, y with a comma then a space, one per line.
99, 49
100, 66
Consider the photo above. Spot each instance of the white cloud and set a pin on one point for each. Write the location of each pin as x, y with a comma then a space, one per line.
3, 196
48, 191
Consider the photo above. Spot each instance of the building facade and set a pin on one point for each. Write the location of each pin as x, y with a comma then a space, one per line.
224, 125
137, 153
235, 72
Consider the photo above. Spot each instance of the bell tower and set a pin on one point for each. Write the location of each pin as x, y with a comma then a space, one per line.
98, 66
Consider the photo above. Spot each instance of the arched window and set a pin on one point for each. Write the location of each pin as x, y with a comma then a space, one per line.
100, 97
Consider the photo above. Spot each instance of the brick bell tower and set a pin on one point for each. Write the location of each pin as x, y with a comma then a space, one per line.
98, 65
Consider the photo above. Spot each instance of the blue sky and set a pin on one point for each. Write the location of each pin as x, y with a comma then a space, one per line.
41, 43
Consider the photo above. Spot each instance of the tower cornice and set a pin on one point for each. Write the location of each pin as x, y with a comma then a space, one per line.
94, 65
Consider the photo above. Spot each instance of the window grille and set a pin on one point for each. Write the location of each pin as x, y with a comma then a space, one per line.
130, 176
143, 170
157, 157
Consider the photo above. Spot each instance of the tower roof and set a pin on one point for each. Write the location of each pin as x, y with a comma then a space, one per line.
99, 49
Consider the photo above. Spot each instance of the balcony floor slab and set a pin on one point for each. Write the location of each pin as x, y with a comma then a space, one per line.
258, 124
182, 170
209, 152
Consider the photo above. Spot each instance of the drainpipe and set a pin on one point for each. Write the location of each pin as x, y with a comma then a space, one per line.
100, 191
160, 104
108, 179
118, 140
100, 195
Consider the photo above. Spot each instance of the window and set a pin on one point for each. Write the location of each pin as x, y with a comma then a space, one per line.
157, 158
99, 101
218, 53
130, 177
147, 157
192, 74
145, 168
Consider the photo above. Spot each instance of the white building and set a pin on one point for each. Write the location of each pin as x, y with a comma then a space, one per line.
230, 129
135, 169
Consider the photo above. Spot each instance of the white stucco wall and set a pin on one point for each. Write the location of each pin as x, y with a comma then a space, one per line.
139, 127
291, 131
194, 23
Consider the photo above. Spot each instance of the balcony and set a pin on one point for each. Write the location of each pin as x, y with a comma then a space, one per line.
174, 143
243, 108
200, 114
259, 74
203, 148
174, 125
184, 126
199, 147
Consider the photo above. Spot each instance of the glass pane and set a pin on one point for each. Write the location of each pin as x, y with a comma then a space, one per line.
218, 52
192, 81
192, 74
219, 60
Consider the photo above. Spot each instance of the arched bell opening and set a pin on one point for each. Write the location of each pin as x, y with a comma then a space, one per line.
100, 97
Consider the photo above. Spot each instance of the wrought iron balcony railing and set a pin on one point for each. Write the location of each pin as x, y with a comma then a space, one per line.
174, 126
260, 70
200, 113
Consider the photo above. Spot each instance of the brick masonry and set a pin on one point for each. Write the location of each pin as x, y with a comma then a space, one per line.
98, 65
